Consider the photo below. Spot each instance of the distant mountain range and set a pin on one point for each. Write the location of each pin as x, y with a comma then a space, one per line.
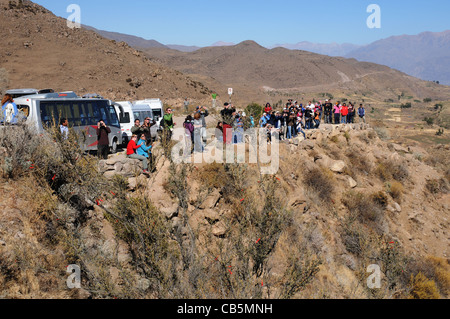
426, 55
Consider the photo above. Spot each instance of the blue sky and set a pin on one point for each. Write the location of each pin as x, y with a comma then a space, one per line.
268, 22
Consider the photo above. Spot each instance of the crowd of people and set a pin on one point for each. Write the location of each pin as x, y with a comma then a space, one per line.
295, 117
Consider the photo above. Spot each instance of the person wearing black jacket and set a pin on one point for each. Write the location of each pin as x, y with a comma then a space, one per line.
328, 111
102, 138
228, 116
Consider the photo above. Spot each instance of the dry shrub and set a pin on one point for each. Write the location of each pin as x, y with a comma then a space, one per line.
359, 160
380, 198
357, 239
390, 169
320, 181
437, 186
441, 276
423, 288
363, 207
438, 157
212, 175
395, 189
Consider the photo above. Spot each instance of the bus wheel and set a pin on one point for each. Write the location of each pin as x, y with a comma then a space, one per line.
114, 146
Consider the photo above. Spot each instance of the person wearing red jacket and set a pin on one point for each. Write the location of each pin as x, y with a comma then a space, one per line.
344, 113
131, 153
268, 108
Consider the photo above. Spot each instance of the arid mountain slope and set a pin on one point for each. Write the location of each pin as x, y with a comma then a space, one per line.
40, 51
250, 67
425, 55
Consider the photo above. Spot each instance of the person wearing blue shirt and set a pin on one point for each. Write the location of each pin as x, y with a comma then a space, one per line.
9, 110
145, 150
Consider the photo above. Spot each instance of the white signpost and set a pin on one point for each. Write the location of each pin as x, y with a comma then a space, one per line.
230, 93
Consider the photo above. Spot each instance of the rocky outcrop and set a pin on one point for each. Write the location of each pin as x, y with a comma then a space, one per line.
120, 164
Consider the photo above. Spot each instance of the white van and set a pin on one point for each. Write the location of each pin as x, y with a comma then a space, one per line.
131, 112
157, 107
16, 93
83, 115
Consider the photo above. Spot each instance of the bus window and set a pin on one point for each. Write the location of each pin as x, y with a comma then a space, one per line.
64, 111
114, 121
137, 116
48, 113
77, 115
92, 114
125, 118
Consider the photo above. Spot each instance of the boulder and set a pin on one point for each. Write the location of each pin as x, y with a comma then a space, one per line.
307, 145
338, 166
211, 201
399, 148
211, 215
219, 230
351, 182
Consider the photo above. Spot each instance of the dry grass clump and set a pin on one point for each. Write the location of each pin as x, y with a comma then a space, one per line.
423, 288
363, 207
437, 186
389, 169
395, 189
320, 182
359, 161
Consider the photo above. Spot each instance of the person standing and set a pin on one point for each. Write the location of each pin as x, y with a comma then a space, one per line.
168, 124
203, 111
328, 108
186, 105
103, 141
362, 113
137, 128
228, 114
9, 110
351, 113
214, 99
344, 113
337, 113
147, 128
64, 128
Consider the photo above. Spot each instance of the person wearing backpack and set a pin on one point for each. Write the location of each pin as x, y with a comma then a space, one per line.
362, 113
9, 110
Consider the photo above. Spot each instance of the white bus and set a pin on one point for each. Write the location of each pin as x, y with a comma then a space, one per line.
83, 115
157, 108
131, 112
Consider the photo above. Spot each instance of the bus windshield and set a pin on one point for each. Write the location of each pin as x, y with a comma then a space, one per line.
78, 113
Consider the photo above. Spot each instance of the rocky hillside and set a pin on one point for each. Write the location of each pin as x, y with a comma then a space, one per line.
40, 51
343, 199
